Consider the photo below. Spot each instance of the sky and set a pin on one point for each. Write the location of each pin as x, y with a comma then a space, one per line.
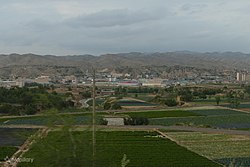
76, 27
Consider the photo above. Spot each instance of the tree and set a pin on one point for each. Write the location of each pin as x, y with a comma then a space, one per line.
217, 99
116, 106
171, 102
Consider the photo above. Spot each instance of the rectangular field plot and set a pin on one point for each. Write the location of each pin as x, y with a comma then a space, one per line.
11, 139
79, 119
7, 151
216, 112
142, 149
128, 103
162, 114
226, 149
240, 121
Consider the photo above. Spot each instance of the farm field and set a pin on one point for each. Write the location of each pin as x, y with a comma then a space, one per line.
140, 148
161, 114
7, 151
79, 119
234, 121
211, 101
133, 103
225, 149
11, 139
209, 112
242, 106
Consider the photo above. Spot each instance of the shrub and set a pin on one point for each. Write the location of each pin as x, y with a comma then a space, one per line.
103, 121
116, 106
136, 121
171, 102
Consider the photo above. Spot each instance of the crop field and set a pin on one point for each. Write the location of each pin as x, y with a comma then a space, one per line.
226, 149
145, 149
142, 96
238, 121
161, 114
7, 151
78, 119
216, 112
128, 103
11, 139
208, 101
241, 106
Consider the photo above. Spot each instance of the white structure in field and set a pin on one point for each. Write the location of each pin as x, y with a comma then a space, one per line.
114, 121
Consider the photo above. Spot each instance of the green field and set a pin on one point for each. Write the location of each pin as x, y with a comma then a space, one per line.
142, 149
11, 139
209, 112
220, 121
7, 151
129, 103
161, 114
219, 147
58, 119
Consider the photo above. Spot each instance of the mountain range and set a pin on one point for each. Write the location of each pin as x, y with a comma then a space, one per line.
208, 60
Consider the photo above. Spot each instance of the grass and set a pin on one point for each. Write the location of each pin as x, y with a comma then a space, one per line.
216, 112
14, 137
220, 147
125, 103
141, 148
98, 101
220, 121
242, 105
7, 151
142, 96
10, 139
79, 119
161, 114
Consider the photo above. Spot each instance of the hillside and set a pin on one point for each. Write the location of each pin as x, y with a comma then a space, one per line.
15, 63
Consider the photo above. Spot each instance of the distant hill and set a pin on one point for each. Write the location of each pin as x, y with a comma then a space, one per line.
211, 60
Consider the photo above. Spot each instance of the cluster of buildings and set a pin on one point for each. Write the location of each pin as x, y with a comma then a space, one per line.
242, 76
123, 80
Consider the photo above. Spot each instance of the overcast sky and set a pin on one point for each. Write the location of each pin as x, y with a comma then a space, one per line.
96, 27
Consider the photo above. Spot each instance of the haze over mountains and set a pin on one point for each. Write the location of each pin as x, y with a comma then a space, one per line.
226, 60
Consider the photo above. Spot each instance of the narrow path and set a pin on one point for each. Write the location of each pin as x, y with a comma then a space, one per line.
14, 160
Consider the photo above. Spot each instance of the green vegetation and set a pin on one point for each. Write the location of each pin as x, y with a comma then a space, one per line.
140, 148
216, 146
21, 101
7, 151
220, 121
209, 112
160, 114
11, 139
124, 102
136, 121
79, 119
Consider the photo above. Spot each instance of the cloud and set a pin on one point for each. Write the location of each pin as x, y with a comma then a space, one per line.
118, 17
79, 27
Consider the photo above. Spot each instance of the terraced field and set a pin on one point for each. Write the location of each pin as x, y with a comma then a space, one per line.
140, 148
226, 149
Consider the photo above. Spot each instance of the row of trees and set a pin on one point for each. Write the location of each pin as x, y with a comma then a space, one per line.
19, 101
